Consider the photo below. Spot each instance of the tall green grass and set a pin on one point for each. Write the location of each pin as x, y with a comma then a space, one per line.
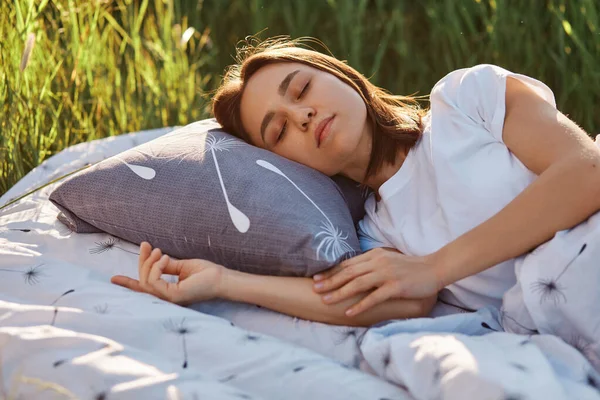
105, 67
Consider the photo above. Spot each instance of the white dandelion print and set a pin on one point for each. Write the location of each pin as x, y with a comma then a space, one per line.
141, 171
212, 144
239, 219
333, 241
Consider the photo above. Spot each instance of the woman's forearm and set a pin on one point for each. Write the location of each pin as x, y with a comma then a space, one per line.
565, 195
294, 296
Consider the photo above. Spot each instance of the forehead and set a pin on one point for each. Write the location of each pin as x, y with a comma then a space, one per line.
260, 94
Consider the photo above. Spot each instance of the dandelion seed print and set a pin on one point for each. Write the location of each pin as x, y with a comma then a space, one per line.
228, 378
486, 326
58, 363
520, 367
146, 173
239, 219
345, 333
31, 276
211, 144
56, 308
551, 288
108, 245
459, 308
504, 315
591, 381
333, 240
181, 330
101, 309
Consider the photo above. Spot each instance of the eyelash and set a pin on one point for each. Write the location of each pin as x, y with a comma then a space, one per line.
283, 129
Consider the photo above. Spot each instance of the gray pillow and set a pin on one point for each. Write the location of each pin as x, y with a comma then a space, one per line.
199, 192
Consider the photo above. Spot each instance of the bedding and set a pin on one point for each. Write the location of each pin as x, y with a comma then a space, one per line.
199, 192
66, 332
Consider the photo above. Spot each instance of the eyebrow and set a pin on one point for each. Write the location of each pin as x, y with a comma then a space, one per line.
283, 86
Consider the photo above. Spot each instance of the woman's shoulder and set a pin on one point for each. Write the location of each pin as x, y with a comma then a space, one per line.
478, 76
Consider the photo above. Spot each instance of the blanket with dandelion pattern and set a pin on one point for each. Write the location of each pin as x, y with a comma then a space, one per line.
66, 332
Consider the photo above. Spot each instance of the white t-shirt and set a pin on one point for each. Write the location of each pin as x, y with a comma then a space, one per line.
456, 177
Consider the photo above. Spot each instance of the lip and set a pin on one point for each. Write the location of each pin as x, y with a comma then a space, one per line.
325, 123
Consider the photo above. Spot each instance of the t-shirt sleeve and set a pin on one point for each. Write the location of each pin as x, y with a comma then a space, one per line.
369, 236
478, 93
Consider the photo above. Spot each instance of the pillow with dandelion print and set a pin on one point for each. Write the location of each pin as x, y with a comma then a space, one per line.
199, 192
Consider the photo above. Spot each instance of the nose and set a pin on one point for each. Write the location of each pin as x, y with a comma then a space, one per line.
303, 116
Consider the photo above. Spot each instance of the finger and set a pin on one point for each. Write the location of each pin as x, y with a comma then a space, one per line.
145, 270
376, 297
346, 263
352, 288
344, 276
127, 282
173, 267
156, 269
157, 284
145, 249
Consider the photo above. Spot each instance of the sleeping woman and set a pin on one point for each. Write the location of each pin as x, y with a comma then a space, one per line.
487, 173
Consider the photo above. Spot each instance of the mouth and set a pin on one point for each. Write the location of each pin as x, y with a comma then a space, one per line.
321, 128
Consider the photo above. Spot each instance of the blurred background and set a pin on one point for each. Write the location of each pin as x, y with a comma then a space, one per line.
78, 70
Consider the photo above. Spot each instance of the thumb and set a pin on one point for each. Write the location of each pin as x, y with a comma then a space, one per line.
173, 267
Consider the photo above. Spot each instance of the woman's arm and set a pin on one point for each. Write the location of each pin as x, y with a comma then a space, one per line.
295, 296
566, 192
201, 280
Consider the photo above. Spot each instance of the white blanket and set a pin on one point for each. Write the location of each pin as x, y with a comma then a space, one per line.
66, 332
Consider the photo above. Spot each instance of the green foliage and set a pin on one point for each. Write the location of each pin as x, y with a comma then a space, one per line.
104, 67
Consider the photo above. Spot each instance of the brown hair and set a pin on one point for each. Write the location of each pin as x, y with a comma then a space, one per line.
395, 120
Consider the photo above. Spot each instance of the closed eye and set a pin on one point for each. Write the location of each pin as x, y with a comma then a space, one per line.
303, 90
283, 129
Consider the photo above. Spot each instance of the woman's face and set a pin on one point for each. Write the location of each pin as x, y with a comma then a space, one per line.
283, 105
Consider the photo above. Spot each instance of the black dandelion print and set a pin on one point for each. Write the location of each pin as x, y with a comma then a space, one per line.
58, 363
592, 381
345, 333
550, 288
386, 359
31, 276
460, 308
227, 379
513, 397
298, 369
181, 330
56, 308
101, 309
529, 330
100, 396
108, 245
22, 230
486, 326
525, 342
520, 367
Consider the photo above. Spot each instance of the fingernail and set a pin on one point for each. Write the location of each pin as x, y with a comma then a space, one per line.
318, 285
318, 277
349, 312
327, 297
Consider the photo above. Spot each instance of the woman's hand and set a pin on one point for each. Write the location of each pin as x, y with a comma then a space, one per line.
199, 280
389, 272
